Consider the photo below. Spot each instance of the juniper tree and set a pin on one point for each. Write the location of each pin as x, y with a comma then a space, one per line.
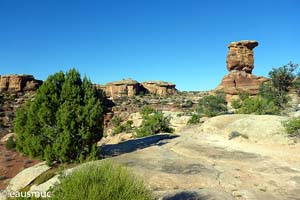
64, 120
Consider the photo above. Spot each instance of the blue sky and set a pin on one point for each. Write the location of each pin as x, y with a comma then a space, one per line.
181, 41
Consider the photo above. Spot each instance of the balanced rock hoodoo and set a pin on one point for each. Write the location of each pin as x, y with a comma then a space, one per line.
240, 63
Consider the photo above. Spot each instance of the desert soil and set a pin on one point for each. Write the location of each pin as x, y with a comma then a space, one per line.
11, 163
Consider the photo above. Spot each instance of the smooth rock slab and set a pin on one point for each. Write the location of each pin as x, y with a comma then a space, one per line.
26, 176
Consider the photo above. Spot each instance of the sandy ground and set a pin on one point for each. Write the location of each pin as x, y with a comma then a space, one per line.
11, 163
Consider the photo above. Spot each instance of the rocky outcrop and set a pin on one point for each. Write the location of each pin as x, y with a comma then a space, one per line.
159, 87
240, 63
240, 56
129, 88
241, 81
18, 83
125, 87
15, 90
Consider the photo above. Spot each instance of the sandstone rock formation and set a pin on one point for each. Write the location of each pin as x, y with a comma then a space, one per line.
129, 88
125, 87
159, 87
14, 91
240, 56
18, 83
241, 81
240, 63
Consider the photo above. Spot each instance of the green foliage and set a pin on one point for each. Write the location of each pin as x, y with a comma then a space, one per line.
243, 95
101, 181
213, 105
63, 121
10, 143
282, 77
128, 126
272, 94
195, 119
292, 127
116, 121
147, 110
258, 105
236, 104
296, 84
45, 176
119, 128
281, 80
153, 122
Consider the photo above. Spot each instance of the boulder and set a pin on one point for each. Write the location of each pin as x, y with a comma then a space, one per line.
257, 127
25, 177
18, 83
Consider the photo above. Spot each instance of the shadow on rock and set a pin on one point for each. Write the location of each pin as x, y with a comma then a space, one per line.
133, 145
201, 194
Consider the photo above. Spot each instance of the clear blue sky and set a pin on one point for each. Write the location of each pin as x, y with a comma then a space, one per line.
182, 41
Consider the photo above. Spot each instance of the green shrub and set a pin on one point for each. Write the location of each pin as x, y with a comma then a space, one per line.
101, 181
119, 128
116, 121
282, 77
147, 110
195, 119
64, 120
10, 143
292, 127
296, 85
243, 95
213, 105
153, 122
236, 104
281, 80
258, 105
272, 94
128, 126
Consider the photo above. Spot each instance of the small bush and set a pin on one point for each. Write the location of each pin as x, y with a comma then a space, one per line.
236, 104
272, 94
147, 110
292, 127
116, 121
213, 105
243, 95
101, 181
195, 119
10, 143
258, 105
153, 122
126, 127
